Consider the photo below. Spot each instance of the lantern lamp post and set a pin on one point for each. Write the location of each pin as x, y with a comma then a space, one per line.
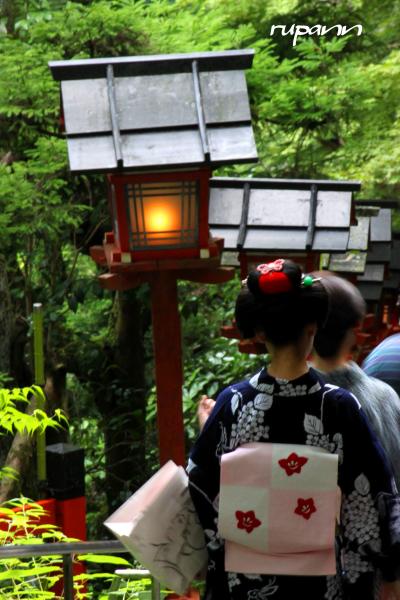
157, 126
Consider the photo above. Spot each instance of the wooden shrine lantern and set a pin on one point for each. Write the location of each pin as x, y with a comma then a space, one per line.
366, 265
352, 263
264, 219
391, 289
157, 126
371, 282
160, 215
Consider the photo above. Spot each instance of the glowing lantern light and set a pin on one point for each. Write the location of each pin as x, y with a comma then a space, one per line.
161, 215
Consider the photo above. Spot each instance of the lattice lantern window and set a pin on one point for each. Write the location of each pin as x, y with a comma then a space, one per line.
160, 215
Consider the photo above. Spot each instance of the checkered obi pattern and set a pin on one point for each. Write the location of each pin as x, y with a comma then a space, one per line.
277, 509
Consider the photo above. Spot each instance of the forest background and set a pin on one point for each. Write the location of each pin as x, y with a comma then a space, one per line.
327, 108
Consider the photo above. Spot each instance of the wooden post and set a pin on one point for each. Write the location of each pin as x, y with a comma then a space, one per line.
168, 364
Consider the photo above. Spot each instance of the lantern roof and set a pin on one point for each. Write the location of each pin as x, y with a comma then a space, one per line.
395, 256
373, 273
371, 282
360, 233
352, 262
379, 252
281, 214
381, 226
156, 112
392, 282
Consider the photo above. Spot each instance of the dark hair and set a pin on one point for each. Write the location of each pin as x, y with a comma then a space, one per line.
346, 309
280, 315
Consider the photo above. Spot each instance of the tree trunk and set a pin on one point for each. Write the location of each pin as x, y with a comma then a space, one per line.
56, 397
122, 404
9, 11
6, 319
18, 458
19, 368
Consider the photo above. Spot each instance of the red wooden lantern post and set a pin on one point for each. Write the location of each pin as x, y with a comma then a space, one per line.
161, 233
157, 126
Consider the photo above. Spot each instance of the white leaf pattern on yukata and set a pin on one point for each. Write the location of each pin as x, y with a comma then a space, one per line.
235, 400
254, 380
263, 401
315, 388
190, 466
313, 425
252, 576
215, 541
266, 592
216, 506
362, 485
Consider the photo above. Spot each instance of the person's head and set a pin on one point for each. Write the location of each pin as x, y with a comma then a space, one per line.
281, 305
336, 338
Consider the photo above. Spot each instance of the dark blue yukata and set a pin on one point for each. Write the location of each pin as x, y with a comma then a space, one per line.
302, 411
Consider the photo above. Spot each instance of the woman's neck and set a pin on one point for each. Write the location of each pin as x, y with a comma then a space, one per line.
326, 365
286, 363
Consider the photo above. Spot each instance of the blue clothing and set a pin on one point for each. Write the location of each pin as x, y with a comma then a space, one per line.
384, 362
301, 411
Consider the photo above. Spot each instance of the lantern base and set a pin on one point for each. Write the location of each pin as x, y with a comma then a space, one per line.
110, 255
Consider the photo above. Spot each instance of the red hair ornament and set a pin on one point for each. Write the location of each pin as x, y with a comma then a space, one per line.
272, 279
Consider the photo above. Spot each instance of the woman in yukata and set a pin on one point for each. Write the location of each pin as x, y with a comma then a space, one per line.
263, 473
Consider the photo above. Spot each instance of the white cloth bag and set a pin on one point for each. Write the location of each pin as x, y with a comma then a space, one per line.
160, 527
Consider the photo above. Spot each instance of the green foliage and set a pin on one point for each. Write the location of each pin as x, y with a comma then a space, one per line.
21, 522
326, 108
210, 362
13, 420
101, 29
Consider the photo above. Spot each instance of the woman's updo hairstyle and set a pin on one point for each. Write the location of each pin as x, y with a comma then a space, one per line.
347, 309
279, 301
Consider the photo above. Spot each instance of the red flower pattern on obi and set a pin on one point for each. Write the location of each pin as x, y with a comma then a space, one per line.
247, 520
293, 463
305, 507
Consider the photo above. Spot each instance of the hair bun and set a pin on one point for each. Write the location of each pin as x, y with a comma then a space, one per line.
270, 278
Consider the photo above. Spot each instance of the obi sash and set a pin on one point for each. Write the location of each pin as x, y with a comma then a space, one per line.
277, 509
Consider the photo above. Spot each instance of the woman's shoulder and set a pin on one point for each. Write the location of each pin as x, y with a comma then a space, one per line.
239, 387
243, 390
340, 401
